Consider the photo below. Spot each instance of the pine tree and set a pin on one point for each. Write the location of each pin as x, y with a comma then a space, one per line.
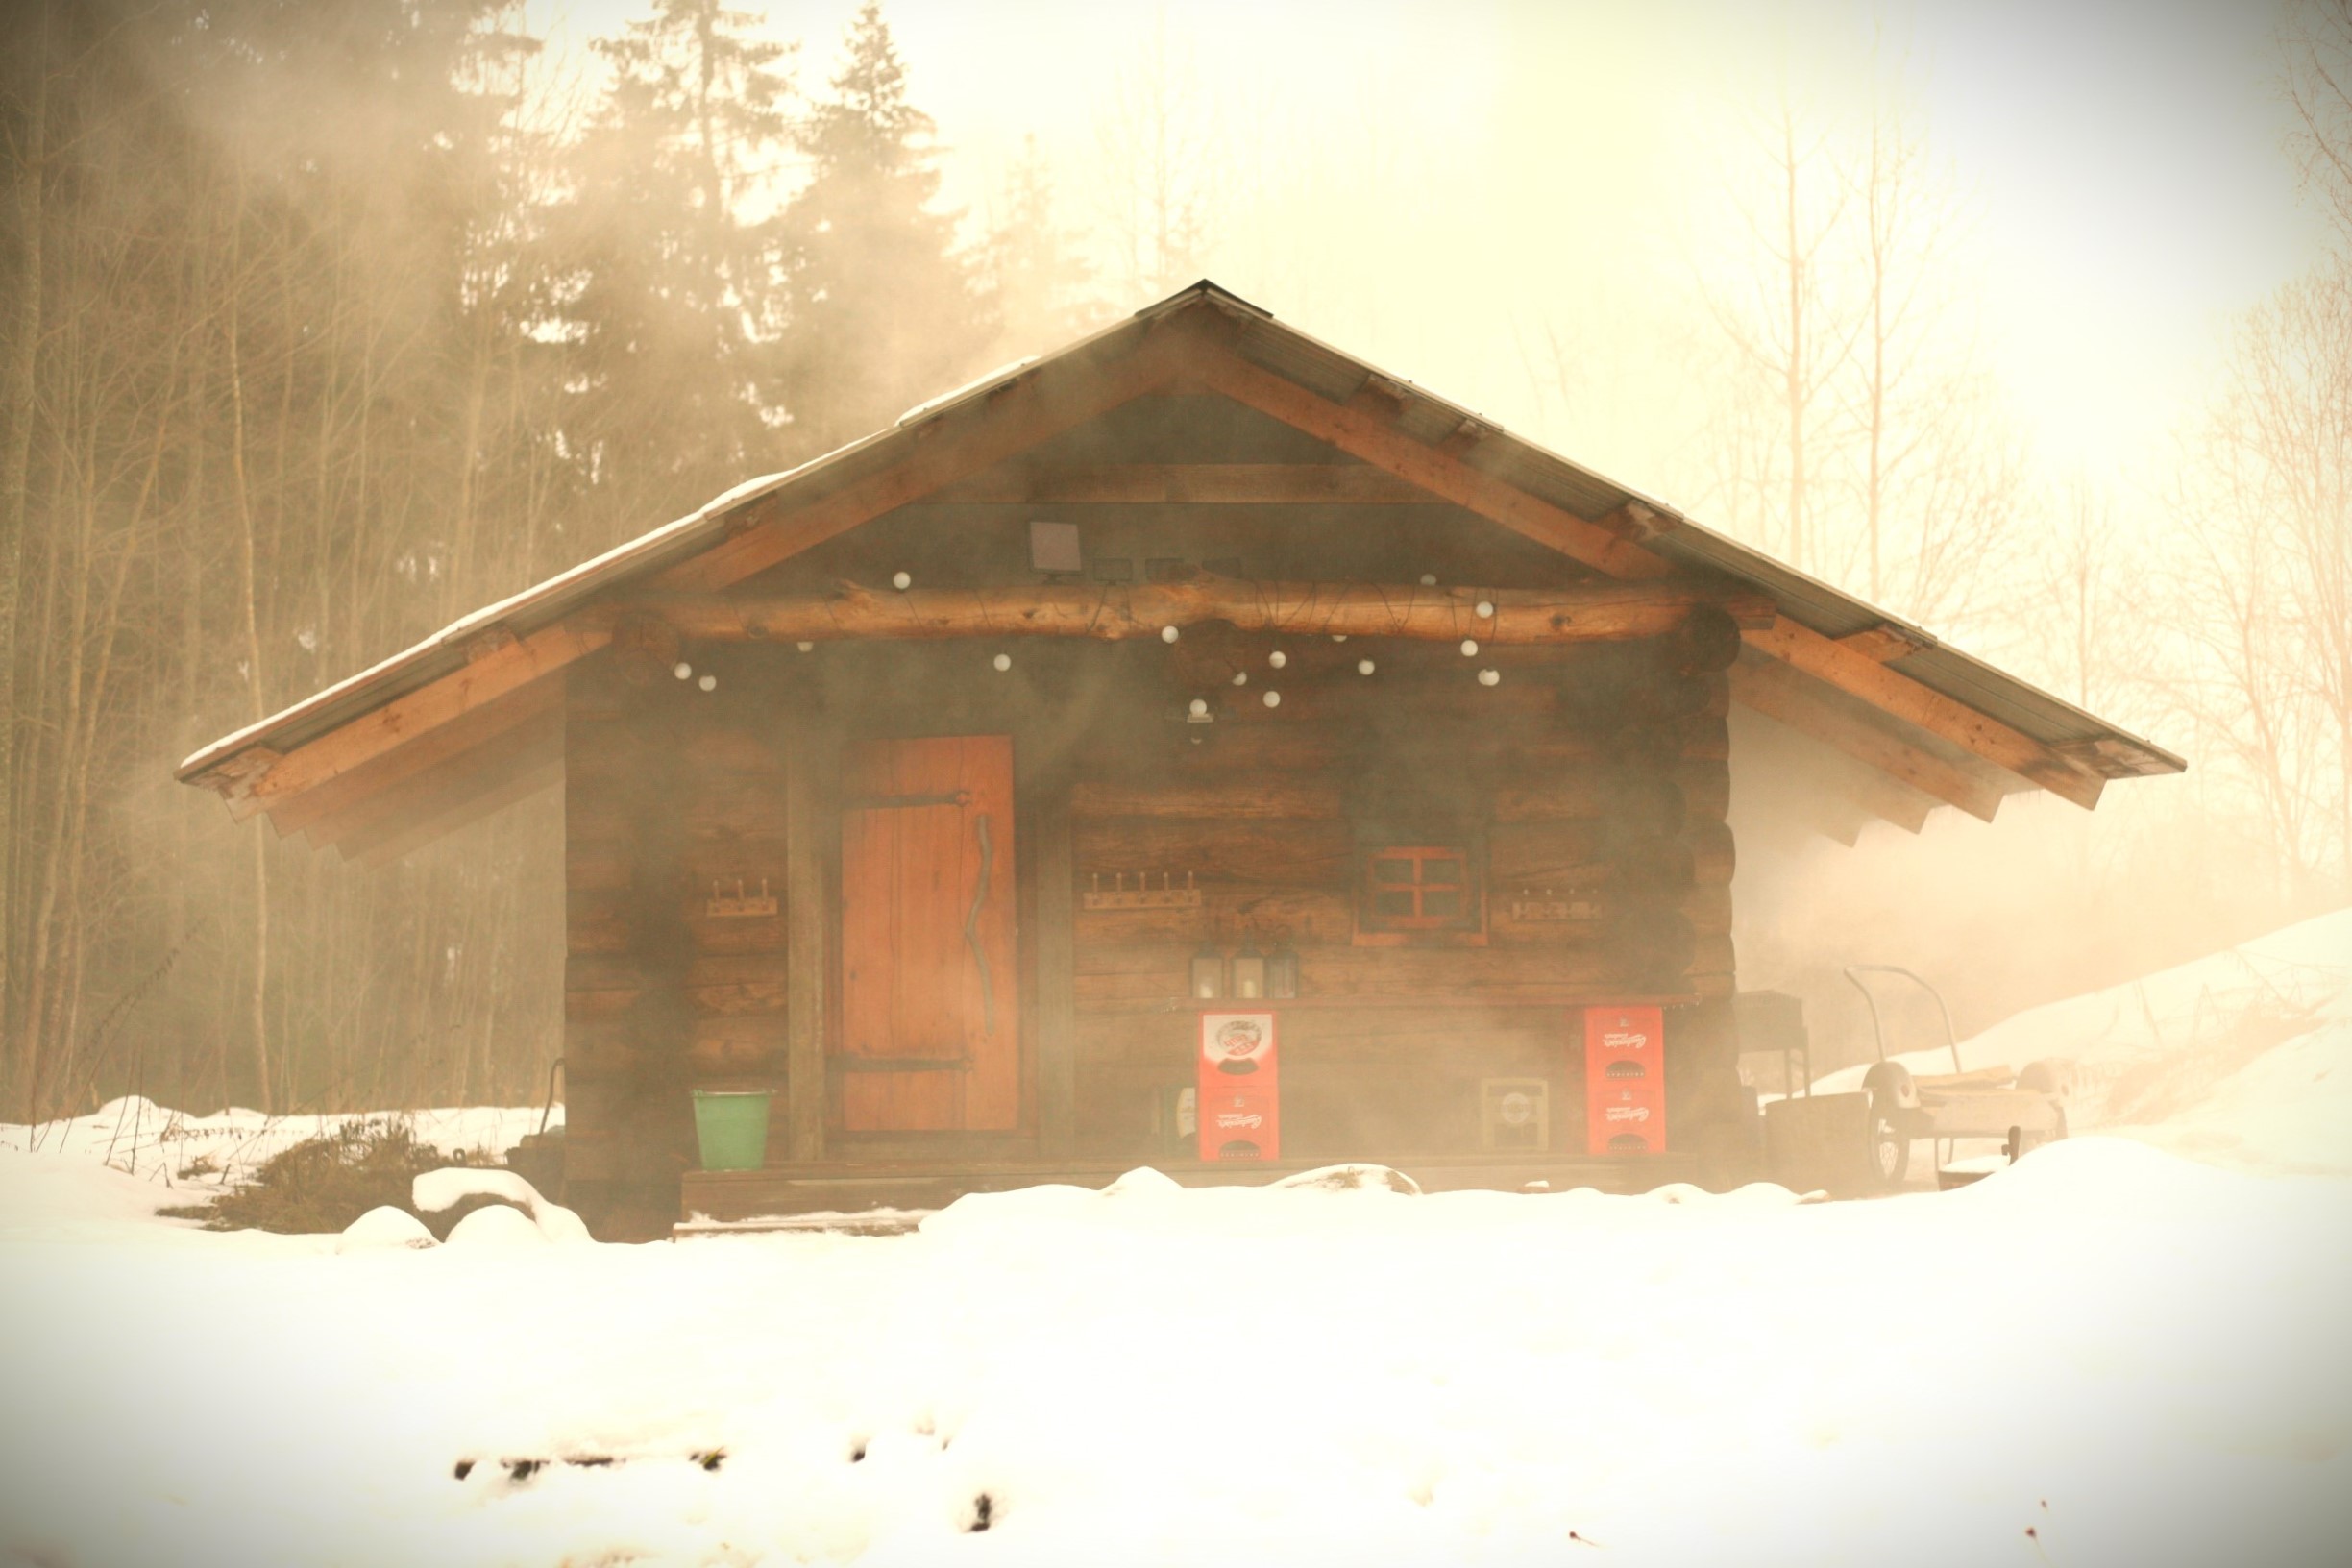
673, 303
885, 311
1044, 285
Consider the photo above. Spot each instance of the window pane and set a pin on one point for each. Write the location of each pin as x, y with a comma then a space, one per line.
1390, 870
1399, 902
1442, 870
1444, 905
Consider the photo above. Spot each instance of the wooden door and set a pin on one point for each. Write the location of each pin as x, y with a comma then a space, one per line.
930, 1036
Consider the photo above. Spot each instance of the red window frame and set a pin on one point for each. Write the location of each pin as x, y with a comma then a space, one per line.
1380, 886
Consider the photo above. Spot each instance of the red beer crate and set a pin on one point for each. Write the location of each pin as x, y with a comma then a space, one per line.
1241, 1088
1625, 1080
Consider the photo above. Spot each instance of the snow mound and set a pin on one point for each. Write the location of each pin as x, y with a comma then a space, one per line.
496, 1225
385, 1226
437, 1191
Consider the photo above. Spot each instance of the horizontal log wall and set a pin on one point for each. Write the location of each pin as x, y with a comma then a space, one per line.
668, 802
1597, 784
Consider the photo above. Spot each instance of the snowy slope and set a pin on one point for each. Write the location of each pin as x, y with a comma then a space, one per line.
2243, 1058
2104, 1355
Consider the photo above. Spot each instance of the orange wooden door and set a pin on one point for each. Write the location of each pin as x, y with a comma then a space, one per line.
929, 976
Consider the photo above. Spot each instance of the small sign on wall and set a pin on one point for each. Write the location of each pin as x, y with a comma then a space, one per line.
1240, 1091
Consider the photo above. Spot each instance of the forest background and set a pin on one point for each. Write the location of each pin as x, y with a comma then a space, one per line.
323, 322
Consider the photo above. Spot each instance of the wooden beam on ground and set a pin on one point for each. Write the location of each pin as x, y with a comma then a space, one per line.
1778, 692
809, 755
374, 734
1598, 612
1005, 420
1894, 692
1363, 435
350, 792
1208, 484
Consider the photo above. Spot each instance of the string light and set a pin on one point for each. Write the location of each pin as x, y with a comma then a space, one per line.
1278, 658
709, 684
1002, 661
806, 647
1273, 699
1338, 636
1167, 634
1490, 677
1485, 609
1200, 707
1365, 667
682, 670
901, 582
1429, 579
1240, 678
1469, 648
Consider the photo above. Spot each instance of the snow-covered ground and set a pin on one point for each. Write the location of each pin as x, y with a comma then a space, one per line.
2109, 1354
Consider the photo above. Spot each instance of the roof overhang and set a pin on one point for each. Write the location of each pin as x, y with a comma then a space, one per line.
453, 725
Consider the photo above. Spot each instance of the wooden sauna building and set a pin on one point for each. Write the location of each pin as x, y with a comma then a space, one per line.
930, 785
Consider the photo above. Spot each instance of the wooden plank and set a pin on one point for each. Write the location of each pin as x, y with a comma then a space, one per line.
449, 782
518, 777
807, 756
391, 773
1905, 698
381, 730
1377, 441
1056, 957
1009, 419
1213, 484
1781, 693
1597, 612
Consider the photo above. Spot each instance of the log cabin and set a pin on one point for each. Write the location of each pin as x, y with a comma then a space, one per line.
951, 787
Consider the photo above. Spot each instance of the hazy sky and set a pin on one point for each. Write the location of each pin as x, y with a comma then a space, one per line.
1437, 186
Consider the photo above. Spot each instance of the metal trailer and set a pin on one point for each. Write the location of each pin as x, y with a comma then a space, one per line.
2024, 1109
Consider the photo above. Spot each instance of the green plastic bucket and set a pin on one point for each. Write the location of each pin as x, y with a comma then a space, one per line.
731, 1126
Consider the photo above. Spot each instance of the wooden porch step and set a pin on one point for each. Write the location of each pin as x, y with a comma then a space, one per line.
782, 1192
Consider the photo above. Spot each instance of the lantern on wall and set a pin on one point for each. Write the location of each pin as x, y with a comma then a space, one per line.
1282, 968
1208, 973
1249, 972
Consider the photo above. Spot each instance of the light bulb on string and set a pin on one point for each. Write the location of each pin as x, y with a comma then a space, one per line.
709, 684
1278, 658
1469, 648
1365, 667
1273, 699
1485, 609
806, 647
1168, 634
1429, 579
682, 670
1199, 708
1240, 678
1490, 677
1002, 662
901, 582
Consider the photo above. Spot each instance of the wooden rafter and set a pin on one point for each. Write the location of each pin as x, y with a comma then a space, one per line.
381, 730
517, 776
1896, 693
1778, 692
1376, 440
428, 790
1002, 422
1210, 484
348, 790
1597, 612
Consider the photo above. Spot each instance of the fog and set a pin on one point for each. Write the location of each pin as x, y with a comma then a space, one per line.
324, 329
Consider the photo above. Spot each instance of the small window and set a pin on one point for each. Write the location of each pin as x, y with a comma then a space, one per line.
1415, 888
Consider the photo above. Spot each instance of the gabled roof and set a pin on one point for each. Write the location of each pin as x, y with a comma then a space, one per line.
1936, 721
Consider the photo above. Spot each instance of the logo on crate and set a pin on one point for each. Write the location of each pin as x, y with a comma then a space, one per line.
1626, 1112
1240, 1038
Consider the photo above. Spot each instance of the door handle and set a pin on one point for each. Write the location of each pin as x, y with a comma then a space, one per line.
971, 925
